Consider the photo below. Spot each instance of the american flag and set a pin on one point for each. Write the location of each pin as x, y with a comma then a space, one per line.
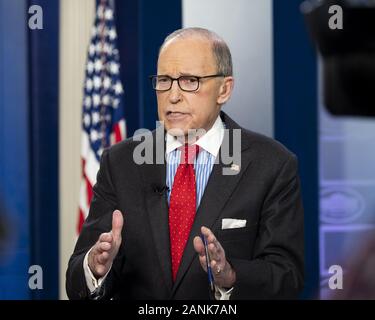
103, 122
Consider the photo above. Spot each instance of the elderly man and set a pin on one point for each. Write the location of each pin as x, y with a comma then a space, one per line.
145, 233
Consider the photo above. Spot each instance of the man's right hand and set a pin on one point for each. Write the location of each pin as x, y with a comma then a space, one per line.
106, 248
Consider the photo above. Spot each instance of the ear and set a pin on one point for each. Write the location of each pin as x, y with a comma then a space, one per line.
225, 90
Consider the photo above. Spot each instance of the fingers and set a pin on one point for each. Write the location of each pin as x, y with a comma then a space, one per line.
107, 246
99, 258
213, 245
198, 246
102, 258
216, 268
215, 250
224, 275
111, 240
104, 246
209, 235
105, 243
100, 264
202, 261
106, 237
101, 254
102, 249
117, 224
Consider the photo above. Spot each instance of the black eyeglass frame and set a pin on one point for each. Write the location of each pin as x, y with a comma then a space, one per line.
184, 76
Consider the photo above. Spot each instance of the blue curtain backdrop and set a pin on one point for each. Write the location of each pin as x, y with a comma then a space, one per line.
296, 118
14, 149
29, 147
142, 25
43, 58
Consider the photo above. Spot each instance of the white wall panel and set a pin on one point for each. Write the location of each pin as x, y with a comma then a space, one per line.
76, 20
246, 25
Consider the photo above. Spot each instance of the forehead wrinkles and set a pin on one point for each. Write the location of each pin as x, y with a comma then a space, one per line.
181, 67
186, 56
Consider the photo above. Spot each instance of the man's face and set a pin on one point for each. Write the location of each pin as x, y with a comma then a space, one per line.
182, 110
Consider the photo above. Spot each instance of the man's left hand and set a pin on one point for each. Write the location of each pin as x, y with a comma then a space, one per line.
223, 273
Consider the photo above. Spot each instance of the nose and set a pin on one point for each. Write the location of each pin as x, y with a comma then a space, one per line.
174, 92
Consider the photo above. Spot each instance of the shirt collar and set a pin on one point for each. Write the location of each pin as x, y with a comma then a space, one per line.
210, 142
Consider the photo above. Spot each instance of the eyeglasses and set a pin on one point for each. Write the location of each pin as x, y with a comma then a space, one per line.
186, 83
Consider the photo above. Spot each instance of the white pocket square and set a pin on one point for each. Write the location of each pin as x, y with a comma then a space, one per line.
232, 223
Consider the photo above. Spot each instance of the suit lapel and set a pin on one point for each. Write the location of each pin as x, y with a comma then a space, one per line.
157, 210
218, 191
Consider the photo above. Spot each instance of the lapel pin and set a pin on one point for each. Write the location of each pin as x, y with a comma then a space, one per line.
235, 167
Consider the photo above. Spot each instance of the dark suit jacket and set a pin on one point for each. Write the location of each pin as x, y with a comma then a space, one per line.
267, 254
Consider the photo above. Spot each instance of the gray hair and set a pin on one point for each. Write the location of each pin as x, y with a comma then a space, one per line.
220, 49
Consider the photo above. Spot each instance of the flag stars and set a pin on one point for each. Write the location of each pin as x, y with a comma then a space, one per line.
98, 119
98, 65
94, 32
95, 118
90, 67
87, 102
107, 48
96, 100
89, 85
108, 15
98, 48
107, 82
94, 135
100, 11
118, 88
112, 34
115, 103
86, 120
97, 82
106, 100
92, 50
114, 68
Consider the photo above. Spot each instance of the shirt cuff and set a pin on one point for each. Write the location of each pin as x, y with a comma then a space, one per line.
91, 282
222, 294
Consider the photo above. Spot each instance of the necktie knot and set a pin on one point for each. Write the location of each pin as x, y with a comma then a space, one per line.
189, 153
